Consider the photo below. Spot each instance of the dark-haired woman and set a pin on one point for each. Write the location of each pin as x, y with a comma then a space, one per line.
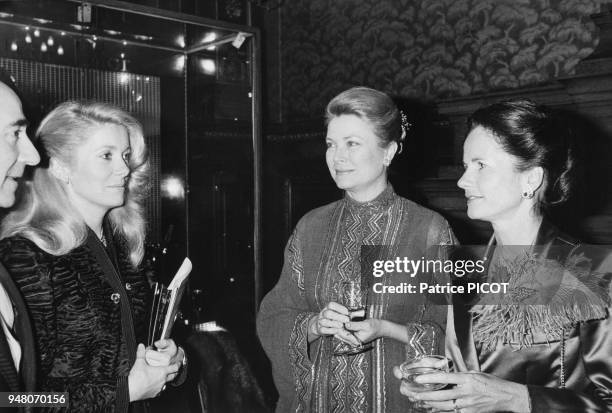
301, 324
546, 345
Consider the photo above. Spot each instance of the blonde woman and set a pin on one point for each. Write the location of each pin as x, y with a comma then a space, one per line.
301, 324
73, 246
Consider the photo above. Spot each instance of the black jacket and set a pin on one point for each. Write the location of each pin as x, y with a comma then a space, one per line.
10, 380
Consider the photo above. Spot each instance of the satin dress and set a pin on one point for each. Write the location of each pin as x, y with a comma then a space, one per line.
561, 347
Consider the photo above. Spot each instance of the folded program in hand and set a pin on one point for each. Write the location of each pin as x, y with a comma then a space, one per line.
165, 304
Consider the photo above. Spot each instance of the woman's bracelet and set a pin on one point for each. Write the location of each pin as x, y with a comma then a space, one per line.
184, 359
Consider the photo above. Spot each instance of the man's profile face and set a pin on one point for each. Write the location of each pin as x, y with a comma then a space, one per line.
16, 149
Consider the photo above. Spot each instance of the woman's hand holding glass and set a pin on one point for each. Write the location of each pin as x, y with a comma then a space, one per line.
470, 392
413, 369
330, 322
411, 373
366, 330
353, 296
424, 341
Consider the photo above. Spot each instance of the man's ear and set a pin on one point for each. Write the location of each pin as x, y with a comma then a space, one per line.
59, 170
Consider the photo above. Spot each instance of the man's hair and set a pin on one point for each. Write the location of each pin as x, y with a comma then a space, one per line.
32, 112
7, 78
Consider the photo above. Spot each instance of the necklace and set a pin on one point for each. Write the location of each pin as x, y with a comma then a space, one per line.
103, 239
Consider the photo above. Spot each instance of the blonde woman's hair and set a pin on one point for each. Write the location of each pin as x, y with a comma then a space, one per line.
46, 216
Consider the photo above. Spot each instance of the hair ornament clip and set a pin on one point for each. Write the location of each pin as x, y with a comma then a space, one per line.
405, 125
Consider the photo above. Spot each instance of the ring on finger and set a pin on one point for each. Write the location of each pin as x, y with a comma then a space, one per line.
455, 408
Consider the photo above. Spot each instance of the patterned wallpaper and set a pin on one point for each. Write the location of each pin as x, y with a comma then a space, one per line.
427, 48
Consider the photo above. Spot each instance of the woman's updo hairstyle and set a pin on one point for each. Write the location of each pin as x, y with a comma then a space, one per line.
536, 136
374, 107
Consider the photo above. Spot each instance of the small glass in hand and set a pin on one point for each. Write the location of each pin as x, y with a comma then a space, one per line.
425, 341
411, 369
353, 298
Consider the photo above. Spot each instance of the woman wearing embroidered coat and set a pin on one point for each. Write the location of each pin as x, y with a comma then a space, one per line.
546, 346
300, 323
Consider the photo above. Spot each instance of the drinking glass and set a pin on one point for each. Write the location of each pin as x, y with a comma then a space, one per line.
351, 295
425, 341
411, 369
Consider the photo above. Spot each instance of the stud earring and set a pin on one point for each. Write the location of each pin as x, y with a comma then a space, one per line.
528, 194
